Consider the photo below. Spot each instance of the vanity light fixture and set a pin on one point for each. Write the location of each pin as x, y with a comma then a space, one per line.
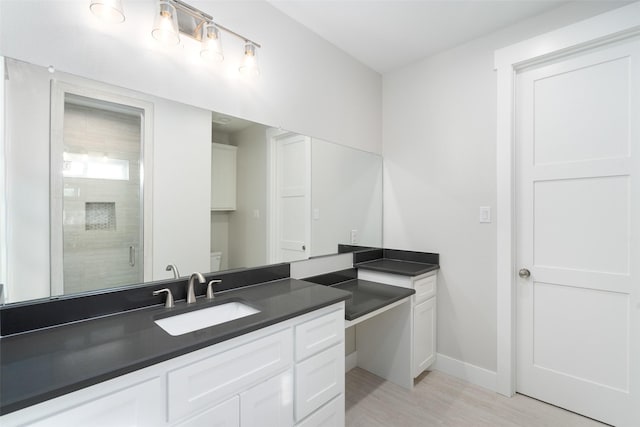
211, 43
165, 24
189, 21
174, 18
249, 65
108, 10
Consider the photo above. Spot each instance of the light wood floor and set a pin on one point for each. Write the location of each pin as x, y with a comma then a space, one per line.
441, 400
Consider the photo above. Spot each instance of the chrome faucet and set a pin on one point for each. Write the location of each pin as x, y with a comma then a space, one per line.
176, 274
191, 295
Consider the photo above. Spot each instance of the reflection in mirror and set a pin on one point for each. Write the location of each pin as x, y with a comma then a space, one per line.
102, 197
238, 193
227, 193
346, 192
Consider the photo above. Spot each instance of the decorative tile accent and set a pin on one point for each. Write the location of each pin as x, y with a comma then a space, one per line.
100, 216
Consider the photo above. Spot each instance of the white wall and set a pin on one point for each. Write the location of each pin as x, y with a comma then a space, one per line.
307, 85
439, 133
248, 243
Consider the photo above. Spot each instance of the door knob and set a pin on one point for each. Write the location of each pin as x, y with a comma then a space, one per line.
524, 273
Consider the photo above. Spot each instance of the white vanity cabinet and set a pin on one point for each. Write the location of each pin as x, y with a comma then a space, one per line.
261, 379
223, 177
319, 371
423, 314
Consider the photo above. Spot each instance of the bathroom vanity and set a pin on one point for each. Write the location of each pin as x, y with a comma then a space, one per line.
392, 309
103, 359
281, 366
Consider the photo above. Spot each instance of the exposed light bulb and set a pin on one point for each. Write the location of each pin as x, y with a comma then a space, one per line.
211, 44
165, 27
249, 65
108, 10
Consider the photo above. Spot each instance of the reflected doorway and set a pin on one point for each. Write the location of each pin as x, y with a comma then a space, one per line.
290, 233
97, 191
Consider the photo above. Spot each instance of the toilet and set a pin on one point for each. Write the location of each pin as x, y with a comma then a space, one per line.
216, 257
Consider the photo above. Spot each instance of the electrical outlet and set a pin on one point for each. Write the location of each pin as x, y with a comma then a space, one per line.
354, 237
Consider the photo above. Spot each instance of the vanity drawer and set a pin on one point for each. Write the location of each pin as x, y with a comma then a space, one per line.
139, 405
425, 288
318, 380
317, 334
226, 414
203, 383
330, 415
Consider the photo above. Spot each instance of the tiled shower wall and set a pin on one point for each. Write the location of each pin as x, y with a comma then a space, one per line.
96, 254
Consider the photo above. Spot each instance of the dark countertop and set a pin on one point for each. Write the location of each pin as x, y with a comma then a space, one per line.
394, 266
370, 296
366, 296
43, 364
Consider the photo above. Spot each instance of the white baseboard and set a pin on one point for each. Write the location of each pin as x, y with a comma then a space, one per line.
466, 371
350, 361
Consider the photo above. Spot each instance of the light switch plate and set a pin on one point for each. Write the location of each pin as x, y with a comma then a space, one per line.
485, 214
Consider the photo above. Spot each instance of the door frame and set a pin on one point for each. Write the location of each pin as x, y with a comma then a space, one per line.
59, 88
608, 27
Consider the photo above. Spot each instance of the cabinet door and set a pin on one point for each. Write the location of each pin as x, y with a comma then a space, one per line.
223, 177
226, 414
318, 380
199, 385
424, 335
268, 404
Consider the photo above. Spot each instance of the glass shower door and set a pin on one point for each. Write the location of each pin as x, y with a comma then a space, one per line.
102, 195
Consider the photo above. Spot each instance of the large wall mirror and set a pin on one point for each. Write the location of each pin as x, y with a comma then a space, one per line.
106, 186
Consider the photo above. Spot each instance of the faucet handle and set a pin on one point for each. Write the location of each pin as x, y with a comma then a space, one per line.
169, 301
210, 288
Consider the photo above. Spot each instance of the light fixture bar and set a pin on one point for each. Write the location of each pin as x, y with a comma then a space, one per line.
203, 19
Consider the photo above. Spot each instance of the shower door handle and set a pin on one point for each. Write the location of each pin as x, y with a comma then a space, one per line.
132, 256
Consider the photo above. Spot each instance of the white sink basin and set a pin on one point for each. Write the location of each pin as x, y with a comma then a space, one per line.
205, 317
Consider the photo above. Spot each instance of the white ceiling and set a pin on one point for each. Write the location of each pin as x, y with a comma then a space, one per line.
388, 34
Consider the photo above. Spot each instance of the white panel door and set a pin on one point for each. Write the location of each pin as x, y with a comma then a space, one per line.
293, 200
578, 171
